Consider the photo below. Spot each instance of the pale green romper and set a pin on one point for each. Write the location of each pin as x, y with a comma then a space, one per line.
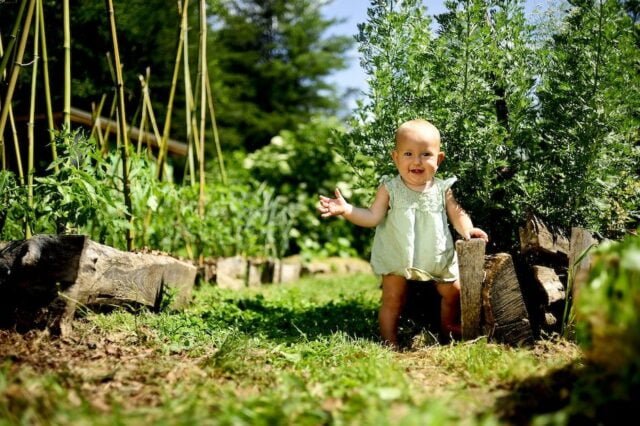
414, 240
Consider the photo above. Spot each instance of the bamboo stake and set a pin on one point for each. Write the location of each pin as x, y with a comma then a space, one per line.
107, 133
47, 86
13, 78
16, 145
203, 99
12, 39
32, 113
66, 109
189, 108
174, 81
114, 103
149, 108
216, 139
143, 119
122, 124
96, 113
14, 131
96, 122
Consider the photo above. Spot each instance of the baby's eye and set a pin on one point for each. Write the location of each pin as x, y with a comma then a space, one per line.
426, 154
407, 154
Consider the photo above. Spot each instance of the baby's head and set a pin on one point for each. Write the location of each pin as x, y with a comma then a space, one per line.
417, 152
418, 130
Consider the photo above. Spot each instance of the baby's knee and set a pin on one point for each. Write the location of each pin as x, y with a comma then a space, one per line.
449, 291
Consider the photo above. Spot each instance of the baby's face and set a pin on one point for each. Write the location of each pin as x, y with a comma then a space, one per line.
417, 156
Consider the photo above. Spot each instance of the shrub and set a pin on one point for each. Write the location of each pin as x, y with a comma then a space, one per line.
608, 306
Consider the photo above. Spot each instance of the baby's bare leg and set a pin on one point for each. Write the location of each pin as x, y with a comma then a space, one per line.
394, 293
450, 308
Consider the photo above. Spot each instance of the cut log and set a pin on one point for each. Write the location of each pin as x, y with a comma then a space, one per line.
579, 258
46, 278
537, 238
550, 284
505, 315
471, 265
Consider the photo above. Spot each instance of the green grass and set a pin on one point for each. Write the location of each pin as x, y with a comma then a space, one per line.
305, 353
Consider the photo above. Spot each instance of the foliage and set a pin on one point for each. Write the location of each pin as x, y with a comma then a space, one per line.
11, 213
271, 61
584, 166
85, 196
300, 165
608, 306
302, 353
83, 193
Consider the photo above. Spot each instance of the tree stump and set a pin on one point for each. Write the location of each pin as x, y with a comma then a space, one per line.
46, 278
505, 315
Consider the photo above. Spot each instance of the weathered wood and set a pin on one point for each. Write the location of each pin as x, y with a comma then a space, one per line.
550, 284
581, 240
536, 237
48, 277
471, 266
505, 315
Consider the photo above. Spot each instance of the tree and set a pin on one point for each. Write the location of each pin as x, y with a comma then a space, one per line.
269, 60
584, 168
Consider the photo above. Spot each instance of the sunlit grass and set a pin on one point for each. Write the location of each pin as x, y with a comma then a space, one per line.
304, 353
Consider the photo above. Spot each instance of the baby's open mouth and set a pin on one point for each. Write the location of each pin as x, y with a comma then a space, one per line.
417, 171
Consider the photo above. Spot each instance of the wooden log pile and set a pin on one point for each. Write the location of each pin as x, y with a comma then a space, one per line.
45, 279
491, 299
515, 302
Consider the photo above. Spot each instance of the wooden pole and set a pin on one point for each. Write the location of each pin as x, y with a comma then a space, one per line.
47, 87
13, 78
203, 100
124, 148
66, 111
471, 266
12, 39
32, 112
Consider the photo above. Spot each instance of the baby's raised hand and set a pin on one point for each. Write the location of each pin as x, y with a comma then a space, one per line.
333, 206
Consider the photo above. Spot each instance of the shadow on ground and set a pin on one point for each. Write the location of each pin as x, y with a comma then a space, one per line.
355, 317
574, 395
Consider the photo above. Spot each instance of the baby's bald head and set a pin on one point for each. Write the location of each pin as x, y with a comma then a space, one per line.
418, 130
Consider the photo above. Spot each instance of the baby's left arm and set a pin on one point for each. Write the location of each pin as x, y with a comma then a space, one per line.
461, 220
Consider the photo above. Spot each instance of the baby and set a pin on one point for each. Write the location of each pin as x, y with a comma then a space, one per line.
412, 239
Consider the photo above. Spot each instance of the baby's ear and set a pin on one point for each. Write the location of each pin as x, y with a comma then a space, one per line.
440, 157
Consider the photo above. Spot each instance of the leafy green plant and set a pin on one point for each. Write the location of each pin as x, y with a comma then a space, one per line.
13, 205
608, 306
81, 194
583, 169
300, 165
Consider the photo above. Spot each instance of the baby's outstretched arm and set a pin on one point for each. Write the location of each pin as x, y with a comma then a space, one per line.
461, 220
367, 217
